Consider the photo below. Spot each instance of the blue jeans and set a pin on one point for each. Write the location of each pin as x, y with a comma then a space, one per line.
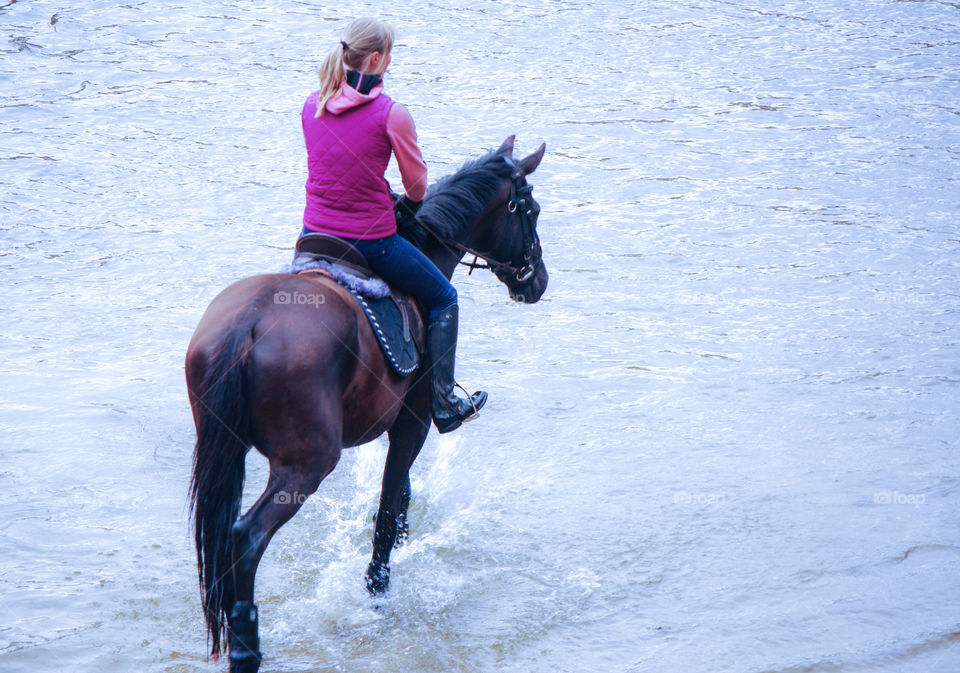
402, 265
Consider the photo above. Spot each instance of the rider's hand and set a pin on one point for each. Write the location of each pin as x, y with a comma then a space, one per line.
405, 207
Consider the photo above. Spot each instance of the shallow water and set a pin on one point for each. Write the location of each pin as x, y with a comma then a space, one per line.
725, 440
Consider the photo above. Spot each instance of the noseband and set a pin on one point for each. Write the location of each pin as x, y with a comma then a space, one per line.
519, 205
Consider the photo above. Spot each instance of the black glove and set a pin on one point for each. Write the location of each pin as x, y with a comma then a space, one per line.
405, 207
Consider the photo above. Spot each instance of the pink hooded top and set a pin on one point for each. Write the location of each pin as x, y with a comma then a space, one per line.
348, 149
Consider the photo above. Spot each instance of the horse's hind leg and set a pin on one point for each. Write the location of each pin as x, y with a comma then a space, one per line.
287, 489
406, 439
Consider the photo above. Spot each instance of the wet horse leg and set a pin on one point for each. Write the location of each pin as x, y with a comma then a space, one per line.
287, 489
406, 439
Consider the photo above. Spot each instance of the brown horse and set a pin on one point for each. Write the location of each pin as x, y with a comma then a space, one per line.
301, 380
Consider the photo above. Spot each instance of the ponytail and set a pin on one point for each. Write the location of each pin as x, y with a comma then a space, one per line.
331, 77
360, 38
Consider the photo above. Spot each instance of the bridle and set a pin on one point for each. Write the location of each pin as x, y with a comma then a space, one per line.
519, 205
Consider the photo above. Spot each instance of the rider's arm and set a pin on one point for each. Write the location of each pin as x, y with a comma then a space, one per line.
403, 138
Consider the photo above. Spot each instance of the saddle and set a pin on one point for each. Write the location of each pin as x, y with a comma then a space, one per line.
336, 251
393, 315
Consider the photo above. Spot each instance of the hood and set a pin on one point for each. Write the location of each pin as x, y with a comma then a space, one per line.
350, 98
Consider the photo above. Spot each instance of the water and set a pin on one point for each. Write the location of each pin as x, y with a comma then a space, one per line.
725, 440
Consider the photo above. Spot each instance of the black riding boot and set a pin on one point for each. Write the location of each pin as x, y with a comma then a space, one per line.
449, 411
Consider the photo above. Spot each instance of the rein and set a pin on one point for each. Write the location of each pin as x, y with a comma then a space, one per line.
519, 191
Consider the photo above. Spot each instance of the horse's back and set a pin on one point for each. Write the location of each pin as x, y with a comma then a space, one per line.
312, 363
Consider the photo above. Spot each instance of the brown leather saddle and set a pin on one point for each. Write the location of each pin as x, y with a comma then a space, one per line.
335, 251
394, 315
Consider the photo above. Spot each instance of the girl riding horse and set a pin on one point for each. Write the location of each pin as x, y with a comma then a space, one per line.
350, 128
302, 382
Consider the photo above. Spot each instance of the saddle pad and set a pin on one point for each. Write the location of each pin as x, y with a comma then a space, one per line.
367, 286
398, 326
395, 320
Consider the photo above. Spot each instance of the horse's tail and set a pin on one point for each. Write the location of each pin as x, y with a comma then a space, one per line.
223, 439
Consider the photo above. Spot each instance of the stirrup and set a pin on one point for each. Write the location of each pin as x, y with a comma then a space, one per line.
476, 412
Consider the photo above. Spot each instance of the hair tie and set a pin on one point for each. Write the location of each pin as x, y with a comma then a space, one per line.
344, 45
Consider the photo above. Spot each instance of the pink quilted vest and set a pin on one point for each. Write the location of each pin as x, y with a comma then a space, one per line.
347, 155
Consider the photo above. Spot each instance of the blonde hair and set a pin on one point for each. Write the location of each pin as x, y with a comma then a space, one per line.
360, 38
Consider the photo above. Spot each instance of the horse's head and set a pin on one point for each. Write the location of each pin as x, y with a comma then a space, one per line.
486, 209
506, 235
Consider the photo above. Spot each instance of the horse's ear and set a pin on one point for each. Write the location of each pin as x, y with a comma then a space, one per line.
506, 148
529, 164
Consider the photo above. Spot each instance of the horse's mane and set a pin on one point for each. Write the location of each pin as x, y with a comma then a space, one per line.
453, 203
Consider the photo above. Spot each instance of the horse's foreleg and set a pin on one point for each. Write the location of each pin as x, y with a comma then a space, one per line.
287, 489
403, 525
406, 438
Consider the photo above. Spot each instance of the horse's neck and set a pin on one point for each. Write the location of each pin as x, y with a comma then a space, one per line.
443, 256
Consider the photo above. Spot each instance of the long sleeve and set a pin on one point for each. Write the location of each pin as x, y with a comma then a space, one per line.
403, 138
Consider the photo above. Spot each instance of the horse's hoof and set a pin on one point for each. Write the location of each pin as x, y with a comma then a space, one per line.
245, 665
243, 637
378, 579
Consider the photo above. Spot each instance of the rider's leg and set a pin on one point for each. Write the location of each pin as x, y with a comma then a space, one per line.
402, 265
449, 410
